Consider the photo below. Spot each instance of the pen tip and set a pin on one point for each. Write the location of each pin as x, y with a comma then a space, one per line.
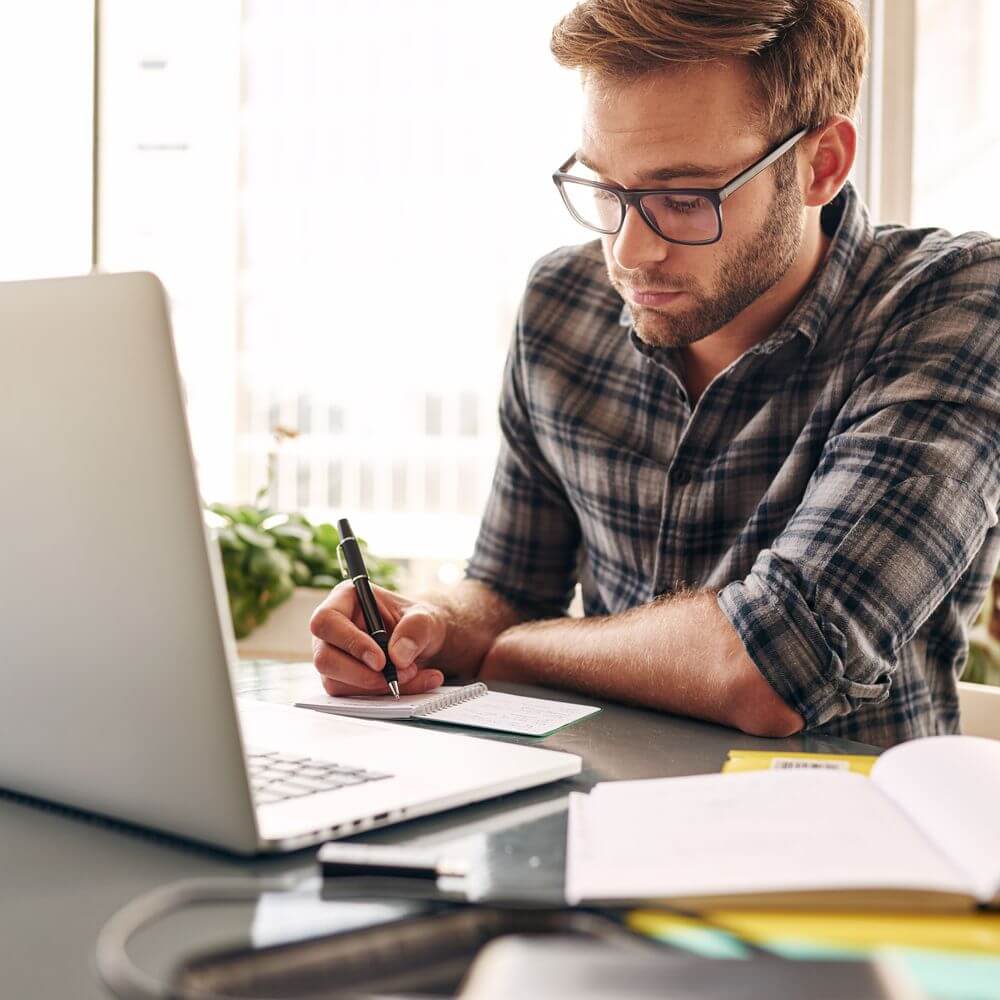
394, 688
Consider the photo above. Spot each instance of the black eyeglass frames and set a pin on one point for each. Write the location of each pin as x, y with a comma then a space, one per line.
689, 216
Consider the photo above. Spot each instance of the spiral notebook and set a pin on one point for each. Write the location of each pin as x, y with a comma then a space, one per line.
471, 705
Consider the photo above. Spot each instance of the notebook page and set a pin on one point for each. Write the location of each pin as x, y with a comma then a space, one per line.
511, 713
950, 787
384, 706
756, 832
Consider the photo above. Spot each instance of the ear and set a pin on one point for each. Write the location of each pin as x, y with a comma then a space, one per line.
829, 155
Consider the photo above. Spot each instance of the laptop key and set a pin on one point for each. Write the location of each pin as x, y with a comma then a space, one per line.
313, 772
289, 789
266, 798
349, 779
317, 784
276, 776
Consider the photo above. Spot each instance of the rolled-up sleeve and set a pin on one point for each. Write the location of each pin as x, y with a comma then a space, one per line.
906, 489
529, 537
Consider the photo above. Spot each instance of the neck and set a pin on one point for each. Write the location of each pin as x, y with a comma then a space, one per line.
704, 359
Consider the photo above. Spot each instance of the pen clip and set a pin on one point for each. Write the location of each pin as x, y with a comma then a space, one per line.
340, 559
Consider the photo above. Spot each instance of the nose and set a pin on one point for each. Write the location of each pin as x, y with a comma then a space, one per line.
636, 244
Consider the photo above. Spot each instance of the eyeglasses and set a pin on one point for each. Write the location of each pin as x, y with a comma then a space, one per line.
690, 216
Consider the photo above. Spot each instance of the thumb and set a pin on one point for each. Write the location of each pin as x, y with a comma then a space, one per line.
419, 632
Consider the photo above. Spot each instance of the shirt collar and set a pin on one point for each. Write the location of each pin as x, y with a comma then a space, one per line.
846, 221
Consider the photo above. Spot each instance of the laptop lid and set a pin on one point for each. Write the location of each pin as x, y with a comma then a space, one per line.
114, 627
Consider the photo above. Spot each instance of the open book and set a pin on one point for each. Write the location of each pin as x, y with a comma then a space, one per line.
923, 832
472, 705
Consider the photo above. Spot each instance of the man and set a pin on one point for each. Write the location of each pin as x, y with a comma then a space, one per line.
764, 436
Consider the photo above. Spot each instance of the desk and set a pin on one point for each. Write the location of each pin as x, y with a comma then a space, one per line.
62, 875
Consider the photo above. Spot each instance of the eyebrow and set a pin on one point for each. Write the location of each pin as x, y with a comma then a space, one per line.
665, 173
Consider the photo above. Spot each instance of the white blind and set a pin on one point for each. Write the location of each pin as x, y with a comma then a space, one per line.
46, 120
343, 200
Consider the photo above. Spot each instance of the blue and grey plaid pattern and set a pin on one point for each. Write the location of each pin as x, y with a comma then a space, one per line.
837, 485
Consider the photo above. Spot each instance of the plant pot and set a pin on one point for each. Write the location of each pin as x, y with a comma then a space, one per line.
285, 635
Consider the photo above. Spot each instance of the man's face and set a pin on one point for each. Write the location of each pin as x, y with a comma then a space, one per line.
694, 119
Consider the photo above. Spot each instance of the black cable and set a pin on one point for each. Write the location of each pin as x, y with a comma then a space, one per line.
114, 965
129, 982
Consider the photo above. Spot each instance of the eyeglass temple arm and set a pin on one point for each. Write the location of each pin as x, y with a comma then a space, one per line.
751, 172
569, 163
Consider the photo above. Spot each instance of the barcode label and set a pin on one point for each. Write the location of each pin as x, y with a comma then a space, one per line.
792, 763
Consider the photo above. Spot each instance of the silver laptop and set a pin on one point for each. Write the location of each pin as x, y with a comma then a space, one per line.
116, 647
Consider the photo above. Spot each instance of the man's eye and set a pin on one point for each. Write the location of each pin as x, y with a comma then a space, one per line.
679, 204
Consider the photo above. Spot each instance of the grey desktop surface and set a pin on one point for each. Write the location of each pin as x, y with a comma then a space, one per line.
62, 874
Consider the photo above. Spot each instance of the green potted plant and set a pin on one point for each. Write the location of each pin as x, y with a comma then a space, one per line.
983, 664
266, 554
273, 559
276, 559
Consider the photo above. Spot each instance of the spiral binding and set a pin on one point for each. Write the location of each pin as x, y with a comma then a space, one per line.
457, 697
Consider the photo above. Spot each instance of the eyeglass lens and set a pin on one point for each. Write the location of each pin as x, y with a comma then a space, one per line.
686, 217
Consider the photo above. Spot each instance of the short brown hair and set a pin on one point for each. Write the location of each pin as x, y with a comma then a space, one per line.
807, 57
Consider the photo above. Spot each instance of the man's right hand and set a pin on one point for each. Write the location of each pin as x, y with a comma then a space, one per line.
350, 661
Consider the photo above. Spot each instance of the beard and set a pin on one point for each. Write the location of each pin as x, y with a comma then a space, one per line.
745, 272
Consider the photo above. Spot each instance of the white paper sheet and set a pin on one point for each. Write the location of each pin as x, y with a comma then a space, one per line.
472, 705
511, 713
950, 787
725, 834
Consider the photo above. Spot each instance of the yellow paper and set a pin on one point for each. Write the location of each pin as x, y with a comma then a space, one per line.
764, 760
973, 933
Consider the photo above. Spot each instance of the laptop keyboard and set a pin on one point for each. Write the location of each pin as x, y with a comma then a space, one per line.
275, 777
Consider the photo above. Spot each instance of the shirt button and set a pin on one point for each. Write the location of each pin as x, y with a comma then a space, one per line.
681, 476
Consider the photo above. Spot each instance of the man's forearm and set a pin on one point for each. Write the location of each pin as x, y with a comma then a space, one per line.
678, 654
476, 615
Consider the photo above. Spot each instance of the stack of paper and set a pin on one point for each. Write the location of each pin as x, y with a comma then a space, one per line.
922, 832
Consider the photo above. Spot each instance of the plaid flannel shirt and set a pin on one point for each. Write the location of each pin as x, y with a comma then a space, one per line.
837, 485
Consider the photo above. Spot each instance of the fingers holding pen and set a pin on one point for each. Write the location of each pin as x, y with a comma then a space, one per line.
420, 682
344, 669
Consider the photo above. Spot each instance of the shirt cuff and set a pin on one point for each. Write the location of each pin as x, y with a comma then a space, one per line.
801, 655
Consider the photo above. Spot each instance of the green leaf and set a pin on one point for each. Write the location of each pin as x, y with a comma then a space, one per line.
250, 515
983, 664
282, 591
258, 539
323, 580
291, 534
270, 565
273, 521
223, 510
229, 541
327, 536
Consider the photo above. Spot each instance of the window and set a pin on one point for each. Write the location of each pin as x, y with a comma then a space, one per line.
343, 201
956, 124
46, 118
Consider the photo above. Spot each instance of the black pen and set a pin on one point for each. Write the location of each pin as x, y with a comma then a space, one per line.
350, 553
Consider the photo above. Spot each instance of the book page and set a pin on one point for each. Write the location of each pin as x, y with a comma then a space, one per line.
950, 787
757, 832
511, 713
